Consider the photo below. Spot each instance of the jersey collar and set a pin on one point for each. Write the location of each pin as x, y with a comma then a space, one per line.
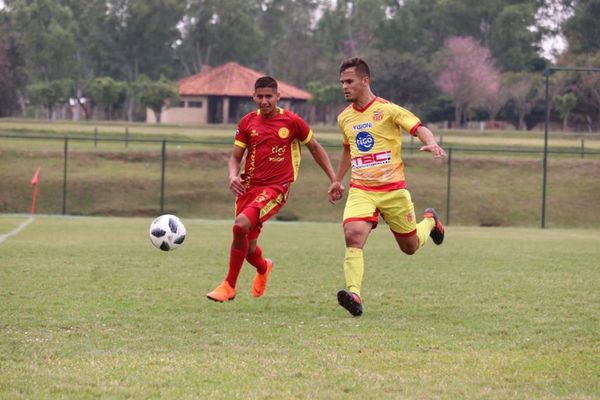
279, 108
365, 107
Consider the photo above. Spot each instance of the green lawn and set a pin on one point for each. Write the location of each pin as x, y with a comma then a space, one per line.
89, 309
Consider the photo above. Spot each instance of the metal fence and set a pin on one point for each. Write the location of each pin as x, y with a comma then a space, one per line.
145, 176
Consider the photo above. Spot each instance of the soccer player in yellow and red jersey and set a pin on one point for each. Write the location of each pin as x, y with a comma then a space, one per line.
270, 137
371, 128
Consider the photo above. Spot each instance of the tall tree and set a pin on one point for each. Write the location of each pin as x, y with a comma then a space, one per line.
12, 75
582, 29
288, 49
525, 93
511, 39
47, 30
140, 36
468, 74
214, 32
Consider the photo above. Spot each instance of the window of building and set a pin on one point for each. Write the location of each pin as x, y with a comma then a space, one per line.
195, 104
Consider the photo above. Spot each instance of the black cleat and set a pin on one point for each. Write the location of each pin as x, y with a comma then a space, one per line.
351, 302
437, 234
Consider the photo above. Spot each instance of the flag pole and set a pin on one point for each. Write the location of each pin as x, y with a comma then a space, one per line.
35, 181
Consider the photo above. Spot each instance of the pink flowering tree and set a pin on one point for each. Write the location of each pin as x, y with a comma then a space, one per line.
467, 74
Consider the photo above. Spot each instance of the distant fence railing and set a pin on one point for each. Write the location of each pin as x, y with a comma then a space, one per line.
581, 152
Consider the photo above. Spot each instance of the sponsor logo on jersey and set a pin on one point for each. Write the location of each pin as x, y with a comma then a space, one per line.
362, 125
277, 153
364, 141
283, 133
371, 160
377, 115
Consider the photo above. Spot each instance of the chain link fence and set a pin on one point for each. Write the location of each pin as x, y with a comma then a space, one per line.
124, 176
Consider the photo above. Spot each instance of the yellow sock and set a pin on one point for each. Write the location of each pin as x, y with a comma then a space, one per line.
424, 228
353, 269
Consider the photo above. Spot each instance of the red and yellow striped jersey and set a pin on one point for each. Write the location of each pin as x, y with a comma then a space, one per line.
373, 135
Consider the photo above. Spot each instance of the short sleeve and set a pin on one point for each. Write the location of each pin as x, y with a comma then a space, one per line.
405, 119
303, 131
241, 134
344, 137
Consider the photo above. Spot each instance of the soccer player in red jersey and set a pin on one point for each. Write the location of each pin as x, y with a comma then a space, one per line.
371, 128
271, 138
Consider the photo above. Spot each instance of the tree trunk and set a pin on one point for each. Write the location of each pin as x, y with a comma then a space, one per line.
457, 116
22, 103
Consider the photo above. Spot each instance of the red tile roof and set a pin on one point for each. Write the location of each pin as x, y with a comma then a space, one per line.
232, 79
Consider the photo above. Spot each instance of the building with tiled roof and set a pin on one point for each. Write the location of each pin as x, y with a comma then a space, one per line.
223, 94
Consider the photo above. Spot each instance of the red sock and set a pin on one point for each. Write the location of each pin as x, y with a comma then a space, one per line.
256, 259
237, 254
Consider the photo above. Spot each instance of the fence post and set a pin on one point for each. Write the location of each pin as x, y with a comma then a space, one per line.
126, 136
582, 148
448, 185
545, 160
441, 139
95, 136
412, 144
64, 199
162, 176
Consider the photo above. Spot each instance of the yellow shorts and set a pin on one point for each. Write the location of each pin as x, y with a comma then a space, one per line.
396, 208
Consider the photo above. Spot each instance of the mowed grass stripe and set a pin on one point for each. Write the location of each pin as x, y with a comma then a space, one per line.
89, 308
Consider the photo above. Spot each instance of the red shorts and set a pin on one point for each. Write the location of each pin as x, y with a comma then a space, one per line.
267, 199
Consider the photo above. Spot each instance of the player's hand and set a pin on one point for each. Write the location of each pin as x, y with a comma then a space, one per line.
236, 185
435, 150
335, 192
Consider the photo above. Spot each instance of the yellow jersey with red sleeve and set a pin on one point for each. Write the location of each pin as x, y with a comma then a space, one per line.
374, 136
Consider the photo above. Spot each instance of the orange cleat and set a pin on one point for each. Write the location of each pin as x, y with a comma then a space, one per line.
260, 281
223, 292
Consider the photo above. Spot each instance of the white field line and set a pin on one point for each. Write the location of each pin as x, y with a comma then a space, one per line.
18, 229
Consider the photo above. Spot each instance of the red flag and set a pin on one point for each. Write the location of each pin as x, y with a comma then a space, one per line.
36, 177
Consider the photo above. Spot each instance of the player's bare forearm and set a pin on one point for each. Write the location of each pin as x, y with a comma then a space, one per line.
429, 144
344, 165
336, 190
320, 156
235, 181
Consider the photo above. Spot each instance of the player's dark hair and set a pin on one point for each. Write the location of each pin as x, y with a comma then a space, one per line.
362, 69
265, 82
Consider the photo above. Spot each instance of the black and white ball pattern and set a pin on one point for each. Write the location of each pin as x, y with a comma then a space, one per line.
167, 232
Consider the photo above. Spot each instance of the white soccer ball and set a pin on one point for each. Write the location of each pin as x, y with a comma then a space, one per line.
167, 232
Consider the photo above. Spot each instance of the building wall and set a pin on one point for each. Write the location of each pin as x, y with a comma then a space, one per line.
191, 111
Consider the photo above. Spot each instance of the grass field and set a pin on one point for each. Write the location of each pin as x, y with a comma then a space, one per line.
89, 309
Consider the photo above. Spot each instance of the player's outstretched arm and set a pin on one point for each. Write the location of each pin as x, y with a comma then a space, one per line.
235, 160
430, 145
336, 190
343, 167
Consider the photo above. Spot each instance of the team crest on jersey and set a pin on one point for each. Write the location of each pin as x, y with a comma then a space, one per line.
410, 216
283, 133
377, 115
254, 133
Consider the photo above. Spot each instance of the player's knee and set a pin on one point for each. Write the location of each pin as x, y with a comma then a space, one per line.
409, 249
239, 230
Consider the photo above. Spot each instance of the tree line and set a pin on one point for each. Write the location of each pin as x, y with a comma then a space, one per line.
448, 60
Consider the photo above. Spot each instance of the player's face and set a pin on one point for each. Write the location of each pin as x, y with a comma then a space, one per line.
353, 85
266, 100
